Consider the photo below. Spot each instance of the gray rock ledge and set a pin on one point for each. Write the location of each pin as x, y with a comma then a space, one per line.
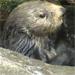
13, 63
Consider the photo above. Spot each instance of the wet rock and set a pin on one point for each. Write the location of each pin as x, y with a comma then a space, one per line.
13, 63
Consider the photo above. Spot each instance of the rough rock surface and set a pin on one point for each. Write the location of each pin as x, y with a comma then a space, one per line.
12, 63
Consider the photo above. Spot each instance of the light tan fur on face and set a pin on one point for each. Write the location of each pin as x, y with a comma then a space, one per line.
33, 23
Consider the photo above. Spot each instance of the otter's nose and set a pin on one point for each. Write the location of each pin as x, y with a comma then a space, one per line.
63, 11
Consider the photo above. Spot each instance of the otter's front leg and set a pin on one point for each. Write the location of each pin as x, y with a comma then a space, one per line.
44, 55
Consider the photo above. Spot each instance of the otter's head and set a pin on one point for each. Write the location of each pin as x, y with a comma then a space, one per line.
38, 17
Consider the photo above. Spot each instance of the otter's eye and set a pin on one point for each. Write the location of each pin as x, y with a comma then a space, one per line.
42, 15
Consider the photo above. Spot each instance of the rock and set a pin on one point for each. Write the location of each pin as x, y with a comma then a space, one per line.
13, 63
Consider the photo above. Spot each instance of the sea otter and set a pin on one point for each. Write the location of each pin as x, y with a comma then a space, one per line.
27, 28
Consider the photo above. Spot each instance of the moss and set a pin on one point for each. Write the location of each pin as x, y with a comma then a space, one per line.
9, 5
